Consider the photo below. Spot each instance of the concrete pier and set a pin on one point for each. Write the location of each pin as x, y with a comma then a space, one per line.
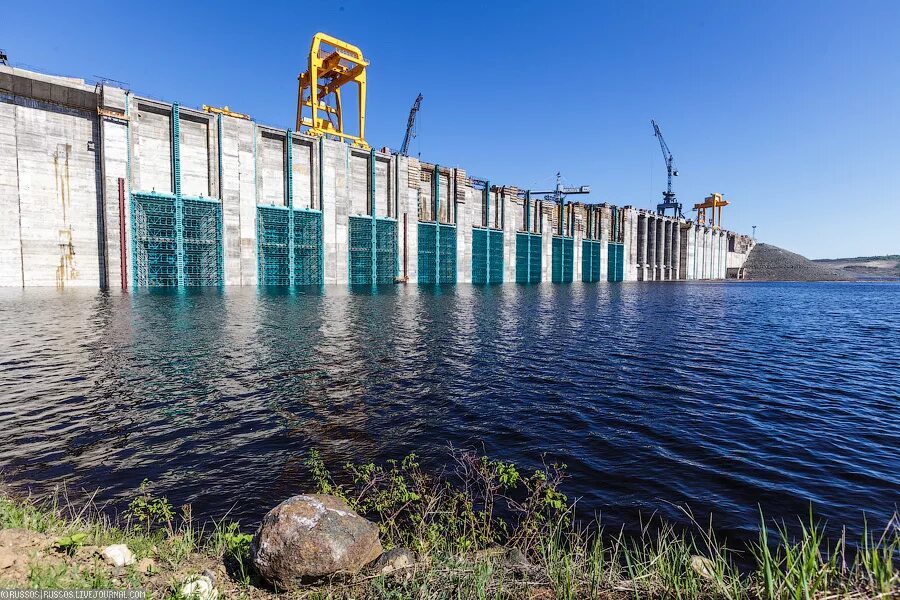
226, 201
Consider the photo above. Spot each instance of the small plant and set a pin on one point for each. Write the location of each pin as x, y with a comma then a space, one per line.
70, 543
149, 510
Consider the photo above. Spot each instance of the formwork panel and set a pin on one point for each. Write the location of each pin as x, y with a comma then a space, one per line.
273, 243
616, 261
562, 259
386, 251
479, 255
202, 225
590, 260
427, 253
447, 254
360, 250
308, 248
495, 258
154, 241
528, 257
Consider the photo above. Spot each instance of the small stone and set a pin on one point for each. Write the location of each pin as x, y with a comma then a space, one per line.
200, 587
703, 567
394, 560
118, 555
146, 565
516, 559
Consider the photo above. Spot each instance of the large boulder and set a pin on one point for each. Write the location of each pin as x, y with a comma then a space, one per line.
311, 536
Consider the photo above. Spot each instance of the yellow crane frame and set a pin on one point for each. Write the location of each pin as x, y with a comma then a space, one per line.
713, 202
333, 63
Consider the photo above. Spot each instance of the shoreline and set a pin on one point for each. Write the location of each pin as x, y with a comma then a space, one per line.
495, 532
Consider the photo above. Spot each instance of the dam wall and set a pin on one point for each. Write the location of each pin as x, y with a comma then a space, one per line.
103, 188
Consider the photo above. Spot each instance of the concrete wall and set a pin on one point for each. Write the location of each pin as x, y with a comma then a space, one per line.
61, 160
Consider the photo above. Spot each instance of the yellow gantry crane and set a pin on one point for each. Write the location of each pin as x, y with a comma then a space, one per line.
333, 64
713, 202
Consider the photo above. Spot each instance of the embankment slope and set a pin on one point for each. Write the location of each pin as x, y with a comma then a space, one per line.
771, 263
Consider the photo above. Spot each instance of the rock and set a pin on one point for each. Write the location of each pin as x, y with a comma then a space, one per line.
704, 567
200, 587
311, 536
394, 560
118, 555
516, 560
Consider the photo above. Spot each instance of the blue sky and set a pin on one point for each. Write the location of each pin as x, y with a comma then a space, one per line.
790, 109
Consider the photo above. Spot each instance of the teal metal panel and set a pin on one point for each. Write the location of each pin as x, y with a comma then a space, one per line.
427, 266
495, 256
272, 246
446, 253
360, 250
154, 234
479, 255
562, 259
615, 262
307, 246
590, 260
528, 257
386, 251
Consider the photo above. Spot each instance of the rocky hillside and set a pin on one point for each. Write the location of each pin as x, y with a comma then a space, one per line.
771, 263
865, 267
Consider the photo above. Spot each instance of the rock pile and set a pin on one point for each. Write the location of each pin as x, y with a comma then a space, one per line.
771, 263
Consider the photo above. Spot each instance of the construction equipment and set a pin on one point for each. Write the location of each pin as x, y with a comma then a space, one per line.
333, 64
712, 202
557, 195
669, 200
4, 59
225, 111
410, 126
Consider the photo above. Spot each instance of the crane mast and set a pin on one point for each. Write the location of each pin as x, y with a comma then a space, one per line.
411, 125
669, 200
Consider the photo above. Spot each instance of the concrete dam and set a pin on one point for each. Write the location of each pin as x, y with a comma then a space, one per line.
103, 188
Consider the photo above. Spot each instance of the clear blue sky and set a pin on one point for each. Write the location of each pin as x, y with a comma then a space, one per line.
791, 109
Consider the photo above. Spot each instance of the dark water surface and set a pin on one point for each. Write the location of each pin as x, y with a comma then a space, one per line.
721, 396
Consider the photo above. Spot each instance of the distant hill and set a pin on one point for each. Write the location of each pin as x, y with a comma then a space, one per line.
866, 267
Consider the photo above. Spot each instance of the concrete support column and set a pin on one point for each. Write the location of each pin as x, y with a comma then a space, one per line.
667, 254
651, 248
677, 261
642, 247
660, 249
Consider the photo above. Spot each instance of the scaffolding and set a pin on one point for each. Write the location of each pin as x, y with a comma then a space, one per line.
279, 230
487, 241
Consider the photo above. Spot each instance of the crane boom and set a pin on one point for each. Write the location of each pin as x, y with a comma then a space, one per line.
411, 125
669, 200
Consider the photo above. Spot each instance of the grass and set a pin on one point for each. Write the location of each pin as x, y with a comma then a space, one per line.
460, 521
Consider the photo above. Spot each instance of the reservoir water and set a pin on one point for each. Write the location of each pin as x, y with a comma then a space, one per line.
723, 397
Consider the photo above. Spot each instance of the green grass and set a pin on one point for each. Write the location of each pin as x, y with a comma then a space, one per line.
454, 521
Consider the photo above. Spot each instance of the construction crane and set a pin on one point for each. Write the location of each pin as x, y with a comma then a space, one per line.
333, 64
411, 126
714, 202
557, 195
669, 200
225, 111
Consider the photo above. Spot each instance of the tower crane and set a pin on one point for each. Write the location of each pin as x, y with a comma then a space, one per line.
411, 126
669, 200
557, 195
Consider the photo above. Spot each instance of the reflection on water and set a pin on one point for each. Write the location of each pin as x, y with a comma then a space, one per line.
719, 396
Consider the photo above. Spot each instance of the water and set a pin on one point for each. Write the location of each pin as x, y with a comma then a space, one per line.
718, 396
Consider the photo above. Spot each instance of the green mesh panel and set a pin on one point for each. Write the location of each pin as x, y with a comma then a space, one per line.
590, 260
360, 250
272, 246
427, 253
154, 233
447, 255
562, 259
495, 260
615, 262
479, 255
308, 248
202, 242
528, 257
386, 250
